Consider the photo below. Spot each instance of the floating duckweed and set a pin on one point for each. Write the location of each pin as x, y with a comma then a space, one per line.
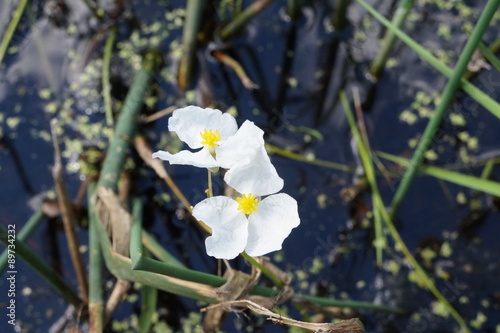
233, 111
380, 243
13, 122
457, 119
461, 198
446, 250
408, 117
360, 284
439, 309
51, 107
301, 275
427, 255
444, 31
321, 200
468, 268
317, 266
431, 155
392, 266
412, 143
72, 29
44, 93
463, 300
473, 143
478, 322
485, 303
416, 278
310, 157
279, 256
440, 272
391, 63
425, 112
293, 82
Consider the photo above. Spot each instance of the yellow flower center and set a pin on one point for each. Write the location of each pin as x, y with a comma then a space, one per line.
210, 138
247, 203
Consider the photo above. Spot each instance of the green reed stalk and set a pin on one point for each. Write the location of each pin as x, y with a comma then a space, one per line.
379, 204
478, 95
96, 303
44, 270
11, 29
389, 39
339, 19
22, 235
448, 93
126, 126
192, 26
293, 9
106, 86
239, 21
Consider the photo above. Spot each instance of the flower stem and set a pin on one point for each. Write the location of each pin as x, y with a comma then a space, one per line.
210, 192
263, 269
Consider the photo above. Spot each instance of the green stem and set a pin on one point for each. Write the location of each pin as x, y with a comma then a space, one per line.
314, 161
482, 98
106, 86
126, 126
96, 304
239, 21
28, 228
44, 270
293, 9
339, 19
192, 26
277, 281
379, 204
448, 94
11, 29
389, 39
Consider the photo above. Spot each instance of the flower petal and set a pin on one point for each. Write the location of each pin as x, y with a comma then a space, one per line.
271, 224
190, 121
229, 226
200, 159
258, 177
240, 147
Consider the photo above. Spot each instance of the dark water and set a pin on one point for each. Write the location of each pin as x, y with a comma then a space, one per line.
330, 253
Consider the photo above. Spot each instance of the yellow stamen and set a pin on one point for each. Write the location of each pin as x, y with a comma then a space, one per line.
247, 203
210, 138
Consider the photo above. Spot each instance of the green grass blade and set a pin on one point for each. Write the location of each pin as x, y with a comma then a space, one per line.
44, 270
475, 183
240, 20
28, 228
448, 94
106, 86
366, 158
490, 56
314, 161
389, 39
379, 205
483, 99
11, 29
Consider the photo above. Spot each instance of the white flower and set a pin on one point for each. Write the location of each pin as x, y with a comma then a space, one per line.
247, 223
199, 128
223, 145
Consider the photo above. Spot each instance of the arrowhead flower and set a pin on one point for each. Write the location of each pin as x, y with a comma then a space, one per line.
199, 128
223, 145
247, 223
